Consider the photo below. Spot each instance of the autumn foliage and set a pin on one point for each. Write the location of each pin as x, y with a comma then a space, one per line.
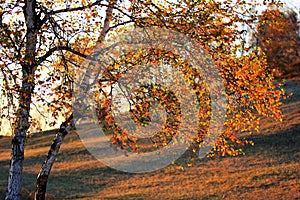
250, 91
43, 45
278, 36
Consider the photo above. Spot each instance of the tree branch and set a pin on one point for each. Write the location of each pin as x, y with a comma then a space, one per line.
59, 48
96, 3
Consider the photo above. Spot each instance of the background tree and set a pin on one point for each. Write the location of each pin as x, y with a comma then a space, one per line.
278, 36
55, 36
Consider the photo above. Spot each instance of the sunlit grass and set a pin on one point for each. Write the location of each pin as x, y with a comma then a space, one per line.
269, 170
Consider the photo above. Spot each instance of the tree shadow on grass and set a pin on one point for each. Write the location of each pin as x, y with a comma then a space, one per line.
280, 147
283, 146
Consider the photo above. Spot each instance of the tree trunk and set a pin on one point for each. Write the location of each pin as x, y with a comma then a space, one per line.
42, 178
21, 127
16, 167
21, 124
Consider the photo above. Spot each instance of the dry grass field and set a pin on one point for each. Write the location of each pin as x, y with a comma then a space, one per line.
269, 170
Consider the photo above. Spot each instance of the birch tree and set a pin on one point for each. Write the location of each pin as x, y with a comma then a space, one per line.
56, 35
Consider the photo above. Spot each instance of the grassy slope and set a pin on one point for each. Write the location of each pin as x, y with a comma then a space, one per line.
269, 170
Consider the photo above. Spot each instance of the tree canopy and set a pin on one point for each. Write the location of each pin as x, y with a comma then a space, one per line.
55, 36
278, 36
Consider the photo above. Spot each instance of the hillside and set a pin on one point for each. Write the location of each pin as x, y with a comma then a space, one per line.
269, 170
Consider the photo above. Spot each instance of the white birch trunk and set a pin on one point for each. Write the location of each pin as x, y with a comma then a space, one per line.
22, 121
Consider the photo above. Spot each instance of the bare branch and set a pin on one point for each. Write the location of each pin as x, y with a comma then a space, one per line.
107, 20
59, 48
96, 3
119, 24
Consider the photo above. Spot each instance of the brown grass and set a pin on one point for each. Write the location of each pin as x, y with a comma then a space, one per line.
269, 170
